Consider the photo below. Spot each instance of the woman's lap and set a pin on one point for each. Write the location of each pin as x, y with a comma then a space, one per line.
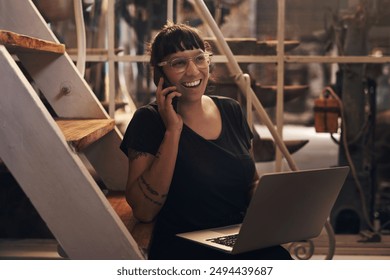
180, 249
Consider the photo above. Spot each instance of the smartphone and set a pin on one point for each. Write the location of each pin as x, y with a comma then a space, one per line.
157, 75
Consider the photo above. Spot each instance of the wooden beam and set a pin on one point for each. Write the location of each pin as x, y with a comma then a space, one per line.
15, 42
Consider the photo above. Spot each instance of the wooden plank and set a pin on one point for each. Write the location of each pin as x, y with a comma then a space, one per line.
83, 132
141, 232
53, 177
17, 42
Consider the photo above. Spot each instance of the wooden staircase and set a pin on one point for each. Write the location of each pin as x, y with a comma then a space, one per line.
45, 153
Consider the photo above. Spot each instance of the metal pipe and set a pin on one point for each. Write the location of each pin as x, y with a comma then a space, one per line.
111, 56
81, 36
280, 79
170, 10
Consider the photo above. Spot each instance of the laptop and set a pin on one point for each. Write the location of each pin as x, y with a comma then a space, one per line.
286, 207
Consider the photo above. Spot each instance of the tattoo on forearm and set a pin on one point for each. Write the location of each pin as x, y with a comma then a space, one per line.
148, 187
133, 154
148, 197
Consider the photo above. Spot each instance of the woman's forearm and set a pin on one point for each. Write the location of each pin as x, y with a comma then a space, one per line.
148, 191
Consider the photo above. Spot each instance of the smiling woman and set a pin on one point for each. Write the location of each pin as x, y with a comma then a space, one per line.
190, 163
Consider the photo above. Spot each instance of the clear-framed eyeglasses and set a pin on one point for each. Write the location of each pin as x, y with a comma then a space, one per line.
180, 64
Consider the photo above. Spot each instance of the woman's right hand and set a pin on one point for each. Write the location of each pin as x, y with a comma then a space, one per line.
170, 117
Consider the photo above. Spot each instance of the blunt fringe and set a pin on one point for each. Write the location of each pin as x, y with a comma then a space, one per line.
173, 38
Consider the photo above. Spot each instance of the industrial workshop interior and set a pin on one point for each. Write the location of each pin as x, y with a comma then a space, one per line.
313, 78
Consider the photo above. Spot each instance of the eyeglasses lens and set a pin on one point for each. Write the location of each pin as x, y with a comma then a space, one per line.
180, 64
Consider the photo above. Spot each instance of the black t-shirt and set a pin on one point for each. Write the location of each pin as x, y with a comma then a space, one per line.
211, 182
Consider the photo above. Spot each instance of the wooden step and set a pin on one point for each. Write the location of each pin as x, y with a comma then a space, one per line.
83, 132
141, 232
15, 42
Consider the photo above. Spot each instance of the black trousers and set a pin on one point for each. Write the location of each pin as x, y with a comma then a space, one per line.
175, 248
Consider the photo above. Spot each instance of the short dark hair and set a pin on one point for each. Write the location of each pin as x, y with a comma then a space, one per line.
173, 38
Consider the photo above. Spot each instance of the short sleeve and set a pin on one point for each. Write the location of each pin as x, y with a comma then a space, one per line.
144, 132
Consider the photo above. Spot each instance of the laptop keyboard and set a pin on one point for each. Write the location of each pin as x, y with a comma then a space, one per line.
227, 240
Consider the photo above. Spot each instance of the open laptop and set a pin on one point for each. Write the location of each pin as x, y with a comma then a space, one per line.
286, 207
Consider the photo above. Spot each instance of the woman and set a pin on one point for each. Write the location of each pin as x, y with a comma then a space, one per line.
189, 156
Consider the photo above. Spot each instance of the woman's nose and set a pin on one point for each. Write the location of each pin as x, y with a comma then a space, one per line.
191, 67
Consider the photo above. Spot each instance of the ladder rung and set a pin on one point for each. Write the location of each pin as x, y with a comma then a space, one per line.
15, 42
83, 132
